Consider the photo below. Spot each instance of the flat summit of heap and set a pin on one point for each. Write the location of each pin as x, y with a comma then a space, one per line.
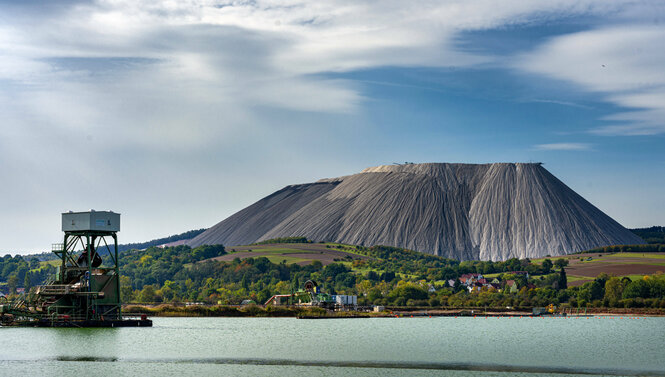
462, 211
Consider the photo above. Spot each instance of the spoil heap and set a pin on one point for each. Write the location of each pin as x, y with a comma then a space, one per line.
461, 211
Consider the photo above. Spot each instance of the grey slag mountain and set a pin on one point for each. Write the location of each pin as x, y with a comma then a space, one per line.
461, 211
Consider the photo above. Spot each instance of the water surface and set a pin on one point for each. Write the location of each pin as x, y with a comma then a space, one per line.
366, 347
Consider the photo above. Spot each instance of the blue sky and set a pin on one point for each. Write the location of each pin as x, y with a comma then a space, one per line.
178, 114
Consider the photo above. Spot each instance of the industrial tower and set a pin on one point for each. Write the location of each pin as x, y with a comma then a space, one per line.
85, 291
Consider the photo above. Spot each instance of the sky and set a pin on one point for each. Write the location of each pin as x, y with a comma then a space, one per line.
177, 114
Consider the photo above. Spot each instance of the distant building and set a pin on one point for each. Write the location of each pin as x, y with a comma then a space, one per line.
475, 287
474, 276
511, 285
345, 301
278, 300
470, 279
311, 295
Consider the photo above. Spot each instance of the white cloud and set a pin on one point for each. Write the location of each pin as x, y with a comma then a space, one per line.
623, 64
134, 103
563, 147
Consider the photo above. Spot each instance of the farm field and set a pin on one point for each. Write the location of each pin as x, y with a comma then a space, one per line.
585, 267
300, 253
581, 267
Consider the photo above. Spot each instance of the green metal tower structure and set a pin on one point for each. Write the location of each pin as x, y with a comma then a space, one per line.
88, 285
85, 291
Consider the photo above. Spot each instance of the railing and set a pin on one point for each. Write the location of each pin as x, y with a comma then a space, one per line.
18, 303
56, 289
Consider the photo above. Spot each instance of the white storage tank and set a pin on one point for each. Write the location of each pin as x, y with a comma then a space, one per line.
345, 299
92, 220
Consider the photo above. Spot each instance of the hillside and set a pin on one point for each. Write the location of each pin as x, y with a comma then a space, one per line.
379, 275
459, 211
652, 235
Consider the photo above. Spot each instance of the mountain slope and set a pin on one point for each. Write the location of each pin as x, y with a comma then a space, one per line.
461, 211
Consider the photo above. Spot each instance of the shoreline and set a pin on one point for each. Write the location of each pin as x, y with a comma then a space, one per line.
171, 310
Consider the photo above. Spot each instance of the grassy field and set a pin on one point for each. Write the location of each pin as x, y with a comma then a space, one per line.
54, 263
585, 267
581, 267
301, 253
288, 260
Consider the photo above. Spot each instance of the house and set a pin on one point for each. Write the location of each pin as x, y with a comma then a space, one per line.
431, 289
474, 276
475, 287
511, 285
470, 279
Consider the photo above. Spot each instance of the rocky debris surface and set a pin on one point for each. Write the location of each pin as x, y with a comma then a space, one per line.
461, 211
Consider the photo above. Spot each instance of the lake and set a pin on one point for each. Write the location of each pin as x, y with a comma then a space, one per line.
421, 346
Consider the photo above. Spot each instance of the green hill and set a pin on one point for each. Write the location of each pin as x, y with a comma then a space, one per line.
379, 275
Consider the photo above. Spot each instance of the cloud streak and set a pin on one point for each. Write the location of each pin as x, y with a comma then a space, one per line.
623, 64
563, 147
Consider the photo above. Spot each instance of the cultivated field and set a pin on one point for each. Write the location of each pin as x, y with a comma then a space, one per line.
300, 253
585, 267
581, 267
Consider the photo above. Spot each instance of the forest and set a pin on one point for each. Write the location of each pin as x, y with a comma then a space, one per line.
390, 276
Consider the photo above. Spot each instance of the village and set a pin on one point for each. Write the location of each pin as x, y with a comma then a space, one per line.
476, 282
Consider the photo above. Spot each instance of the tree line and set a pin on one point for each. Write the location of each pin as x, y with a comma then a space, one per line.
390, 276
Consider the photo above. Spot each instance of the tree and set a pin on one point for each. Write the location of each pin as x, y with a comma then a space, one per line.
126, 292
547, 266
168, 290
458, 286
408, 291
264, 295
613, 289
364, 287
372, 275
563, 279
561, 263
638, 288
597, 289
11, 283
26, 282
148, 294
374, 294
283, 287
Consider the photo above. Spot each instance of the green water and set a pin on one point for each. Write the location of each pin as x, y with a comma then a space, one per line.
440, 346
